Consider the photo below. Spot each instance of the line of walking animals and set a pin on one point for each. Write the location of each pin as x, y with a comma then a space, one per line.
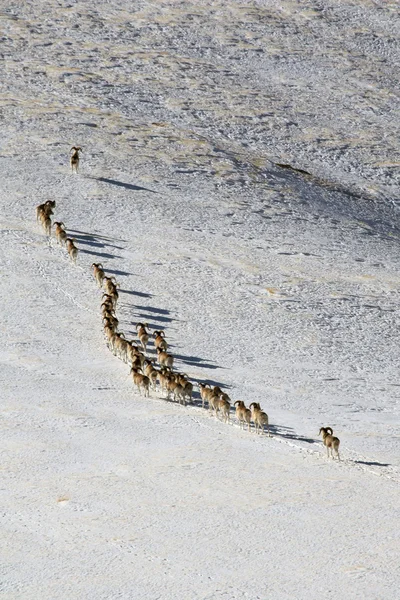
143, 370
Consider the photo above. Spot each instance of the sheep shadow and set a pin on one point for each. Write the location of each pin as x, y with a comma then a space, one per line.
147, 319
195, 361
371, 463
161, 311
117, 272
159, 314
102, 254
135, 293
126, 186
94, 235
287, 433
91, 240
211, 382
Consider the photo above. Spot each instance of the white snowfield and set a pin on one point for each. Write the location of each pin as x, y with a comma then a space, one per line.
239, 178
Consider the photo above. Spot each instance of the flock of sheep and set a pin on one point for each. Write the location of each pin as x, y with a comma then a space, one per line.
145, 374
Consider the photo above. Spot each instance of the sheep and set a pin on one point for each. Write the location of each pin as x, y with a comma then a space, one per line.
205, 392
164, 376
179, 394
141, 381
111, 289
151, 372
209, 395
120, 346
110, 321
136, 363
60, 233
174, 386
181, 387
159, 340
111, 299
187, 388
213, 400
165, 359
222, 405
75, 158
110, 336
71, 249
134, 355
171, 384
142, 334
259, 417
110, 284
98, 273
46, 223
107, 302
153, 376
243, 414
223, 396
45, 208
330, 441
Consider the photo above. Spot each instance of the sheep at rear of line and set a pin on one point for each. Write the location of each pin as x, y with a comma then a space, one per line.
331, 442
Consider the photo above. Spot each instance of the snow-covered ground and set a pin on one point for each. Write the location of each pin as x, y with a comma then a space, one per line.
239, 178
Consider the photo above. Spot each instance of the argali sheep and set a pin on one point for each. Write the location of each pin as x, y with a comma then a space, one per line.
142, 334
331, 442
222, 407
74, 160
46, 223
151, 372
45, 209
205, 393
259, 418
60, 233
71, 249
159, 340
165, 359
110, 284
243, 414
141, 381
164, 376
98, 273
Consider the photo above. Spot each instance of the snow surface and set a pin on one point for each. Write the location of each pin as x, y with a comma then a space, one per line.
239, 178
